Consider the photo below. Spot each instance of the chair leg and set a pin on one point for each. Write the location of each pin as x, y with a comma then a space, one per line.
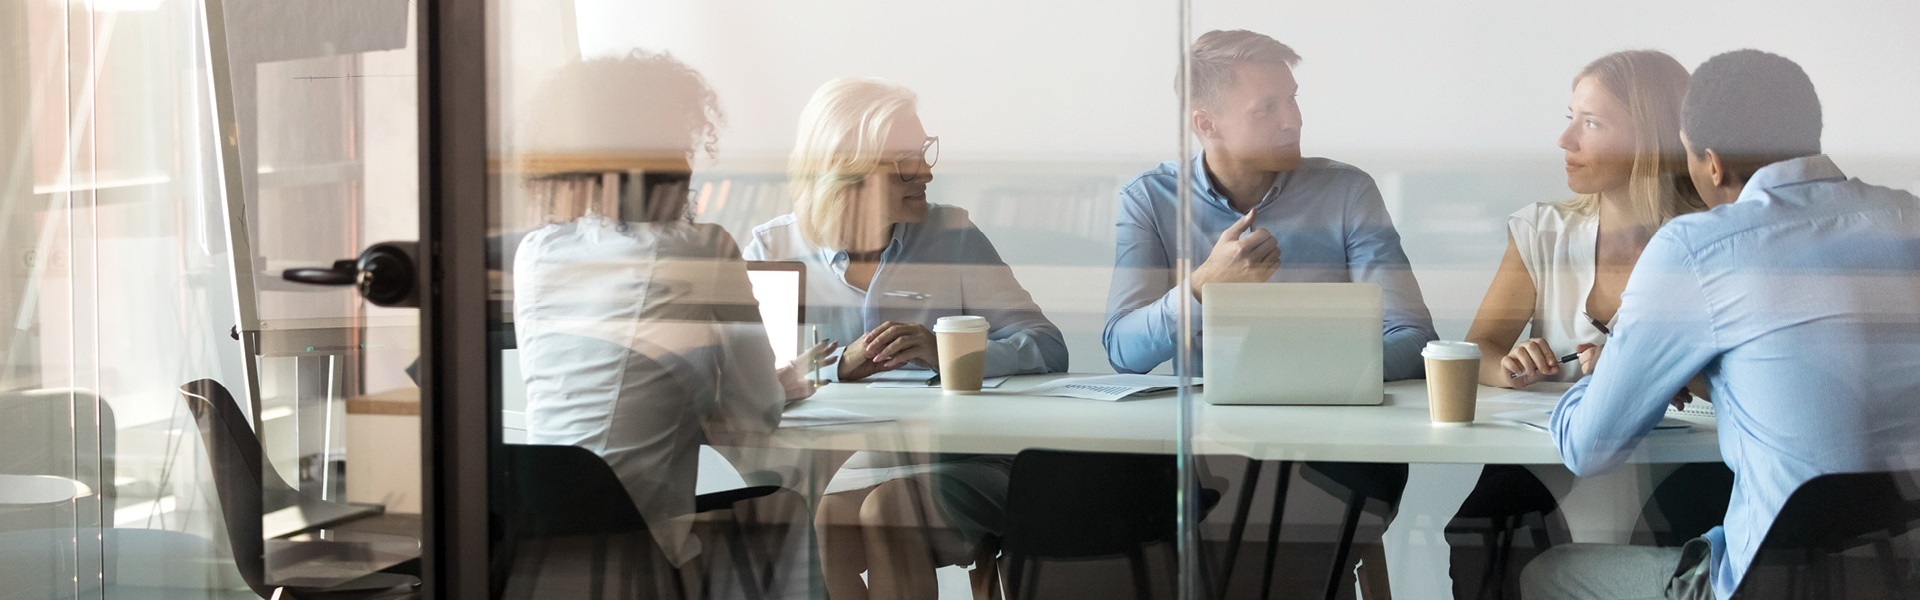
1283, 477
597, 582
1016, 582
743, 563
1142, 585
1889, 569
1249, 482
1490, 540
1348, 524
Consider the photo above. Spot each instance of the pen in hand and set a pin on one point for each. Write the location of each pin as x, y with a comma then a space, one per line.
1563, 360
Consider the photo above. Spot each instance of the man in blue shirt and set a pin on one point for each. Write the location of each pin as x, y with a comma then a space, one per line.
1261, 212
1797, 297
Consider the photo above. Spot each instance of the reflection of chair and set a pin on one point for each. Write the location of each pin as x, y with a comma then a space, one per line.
65, 433
248, 488
1086, 505
551, 495
1503, 495
1828, 515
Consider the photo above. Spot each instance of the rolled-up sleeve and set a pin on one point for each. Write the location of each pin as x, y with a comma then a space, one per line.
1374, 256
1143, 308
1665, 336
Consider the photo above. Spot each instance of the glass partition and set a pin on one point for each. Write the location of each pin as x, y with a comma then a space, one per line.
1525, 155
741, 244
141, 455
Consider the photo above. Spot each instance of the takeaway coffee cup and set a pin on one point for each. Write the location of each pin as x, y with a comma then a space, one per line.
1453, 379
962, 342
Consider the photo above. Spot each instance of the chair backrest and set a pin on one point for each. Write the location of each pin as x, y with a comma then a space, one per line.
241, 479
61, 432
1063, 504
1830, 514
555, 491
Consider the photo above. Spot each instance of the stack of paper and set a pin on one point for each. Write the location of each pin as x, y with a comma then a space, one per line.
821, 416
1107, 387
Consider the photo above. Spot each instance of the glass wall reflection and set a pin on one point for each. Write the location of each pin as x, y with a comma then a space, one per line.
928, 242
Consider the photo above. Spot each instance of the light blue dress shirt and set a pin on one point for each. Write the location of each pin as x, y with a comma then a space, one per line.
1331, 225
941, 266
1800, 302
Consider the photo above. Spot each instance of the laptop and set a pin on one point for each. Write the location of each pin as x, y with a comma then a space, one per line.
1291, 343
781, 289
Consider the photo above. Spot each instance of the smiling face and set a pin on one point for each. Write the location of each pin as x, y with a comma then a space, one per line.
1256, 121
884, 198
1599, 140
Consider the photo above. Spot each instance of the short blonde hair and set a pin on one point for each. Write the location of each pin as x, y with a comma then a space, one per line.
1216, 53
842, 139
1651, 85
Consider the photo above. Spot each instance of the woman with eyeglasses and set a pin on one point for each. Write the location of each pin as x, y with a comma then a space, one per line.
882, 265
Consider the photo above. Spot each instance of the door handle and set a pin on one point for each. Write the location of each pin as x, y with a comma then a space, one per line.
384, 274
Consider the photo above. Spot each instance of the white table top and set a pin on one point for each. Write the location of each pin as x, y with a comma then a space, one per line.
30, 490
1005, 421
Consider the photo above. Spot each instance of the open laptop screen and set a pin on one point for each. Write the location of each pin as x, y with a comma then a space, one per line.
781, 289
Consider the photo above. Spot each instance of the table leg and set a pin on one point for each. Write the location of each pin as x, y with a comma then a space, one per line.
1418, 556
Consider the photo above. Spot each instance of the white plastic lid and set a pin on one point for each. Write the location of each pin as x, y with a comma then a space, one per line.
960, 324
1447, 350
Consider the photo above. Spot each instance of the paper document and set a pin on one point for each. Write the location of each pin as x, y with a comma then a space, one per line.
918, 379
1108, 387
1542, 419
820, 416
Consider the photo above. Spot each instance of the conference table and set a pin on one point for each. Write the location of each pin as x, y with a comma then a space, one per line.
1444, 461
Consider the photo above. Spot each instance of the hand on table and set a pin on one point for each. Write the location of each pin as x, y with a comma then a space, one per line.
796, 377
1532, 360
1239, 256
890, 346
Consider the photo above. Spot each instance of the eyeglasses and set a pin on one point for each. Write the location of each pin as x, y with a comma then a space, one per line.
909, 167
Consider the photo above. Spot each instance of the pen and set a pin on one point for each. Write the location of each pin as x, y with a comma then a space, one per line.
1597, 324
1563, 360
813, 359
934, 380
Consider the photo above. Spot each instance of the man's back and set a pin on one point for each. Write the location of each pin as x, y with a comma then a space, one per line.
1800, 302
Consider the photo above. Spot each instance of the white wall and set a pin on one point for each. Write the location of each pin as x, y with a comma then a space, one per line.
1044, 109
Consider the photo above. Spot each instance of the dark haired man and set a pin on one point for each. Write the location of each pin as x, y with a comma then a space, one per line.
1797, 297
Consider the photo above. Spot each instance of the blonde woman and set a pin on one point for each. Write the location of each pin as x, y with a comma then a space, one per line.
882, 265
1567, 262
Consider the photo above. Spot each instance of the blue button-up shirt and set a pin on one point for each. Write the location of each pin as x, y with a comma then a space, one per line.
1800, 302
942, 266
1331, 225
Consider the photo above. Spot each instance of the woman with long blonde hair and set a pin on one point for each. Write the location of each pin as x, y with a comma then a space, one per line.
1567, 262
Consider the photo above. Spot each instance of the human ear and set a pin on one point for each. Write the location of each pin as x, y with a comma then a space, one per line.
1716, 170
1202, 124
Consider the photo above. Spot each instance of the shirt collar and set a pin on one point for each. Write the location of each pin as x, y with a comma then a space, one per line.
838, 258
1203, 185
1788, 172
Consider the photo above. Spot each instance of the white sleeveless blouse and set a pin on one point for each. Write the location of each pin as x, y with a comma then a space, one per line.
1556, 243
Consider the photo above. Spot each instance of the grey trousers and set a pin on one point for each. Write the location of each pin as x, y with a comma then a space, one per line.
1609, 572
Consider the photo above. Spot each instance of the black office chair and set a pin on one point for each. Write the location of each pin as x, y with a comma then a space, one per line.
1688, 502
1065, 505
1828, 515
1504, 497
248, 488
556, 498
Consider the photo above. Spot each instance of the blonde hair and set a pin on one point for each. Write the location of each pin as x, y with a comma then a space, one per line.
842, 138
1216, 53
1652, 86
